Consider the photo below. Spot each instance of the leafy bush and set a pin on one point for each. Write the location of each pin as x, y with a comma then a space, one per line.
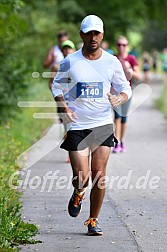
13, 231
13, 141
13, 67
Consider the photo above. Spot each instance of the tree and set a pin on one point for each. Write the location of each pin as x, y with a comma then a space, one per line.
12, 67
154, 36
119, 16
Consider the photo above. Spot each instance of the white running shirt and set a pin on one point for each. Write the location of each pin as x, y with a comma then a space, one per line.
58, 54
88, 82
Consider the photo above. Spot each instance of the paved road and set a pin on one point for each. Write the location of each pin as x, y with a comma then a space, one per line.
132, 218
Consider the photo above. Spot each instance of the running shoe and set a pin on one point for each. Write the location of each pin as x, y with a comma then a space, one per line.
93, 227
123, 147
117, 148
75, 204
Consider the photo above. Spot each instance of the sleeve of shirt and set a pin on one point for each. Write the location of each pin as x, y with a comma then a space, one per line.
119, 82
133, 61
61, 79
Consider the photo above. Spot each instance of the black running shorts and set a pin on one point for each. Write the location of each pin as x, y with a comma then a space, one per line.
81, 139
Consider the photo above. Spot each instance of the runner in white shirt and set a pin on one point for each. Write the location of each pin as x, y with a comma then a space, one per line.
89, 81
89, 73
55, 55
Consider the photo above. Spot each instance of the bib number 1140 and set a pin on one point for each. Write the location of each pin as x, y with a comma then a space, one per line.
89, 89
90, 92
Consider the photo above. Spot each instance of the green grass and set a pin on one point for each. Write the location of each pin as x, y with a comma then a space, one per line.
162, 101
16, 135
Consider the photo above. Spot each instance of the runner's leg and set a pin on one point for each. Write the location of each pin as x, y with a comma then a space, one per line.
98, 166
80, 168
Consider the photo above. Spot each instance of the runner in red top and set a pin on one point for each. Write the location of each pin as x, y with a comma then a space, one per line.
131, 69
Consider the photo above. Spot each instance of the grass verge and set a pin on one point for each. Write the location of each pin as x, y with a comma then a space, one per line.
162, 101
16, 135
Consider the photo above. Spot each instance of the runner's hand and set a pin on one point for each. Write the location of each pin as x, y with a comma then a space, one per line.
68, 116
114, 100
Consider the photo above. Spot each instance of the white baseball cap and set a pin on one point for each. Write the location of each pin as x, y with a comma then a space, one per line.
91, 23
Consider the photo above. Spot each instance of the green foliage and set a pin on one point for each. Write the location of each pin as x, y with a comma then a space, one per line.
44, 24
155, 10
120, 17
28, 30
71, 10
13, 231
13, 67
162, 101
150, 36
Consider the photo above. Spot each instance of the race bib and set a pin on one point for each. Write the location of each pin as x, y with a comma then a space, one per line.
90, 90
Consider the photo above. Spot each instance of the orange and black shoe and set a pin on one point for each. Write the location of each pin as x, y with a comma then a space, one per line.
75, 204
93, 227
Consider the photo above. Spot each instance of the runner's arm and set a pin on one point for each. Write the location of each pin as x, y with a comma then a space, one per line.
120, 83
49, 59
60, 80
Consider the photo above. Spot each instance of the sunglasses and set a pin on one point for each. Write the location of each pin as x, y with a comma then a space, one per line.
119, 44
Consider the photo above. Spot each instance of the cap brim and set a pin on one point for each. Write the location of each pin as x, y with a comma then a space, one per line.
93, 28
68, 43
